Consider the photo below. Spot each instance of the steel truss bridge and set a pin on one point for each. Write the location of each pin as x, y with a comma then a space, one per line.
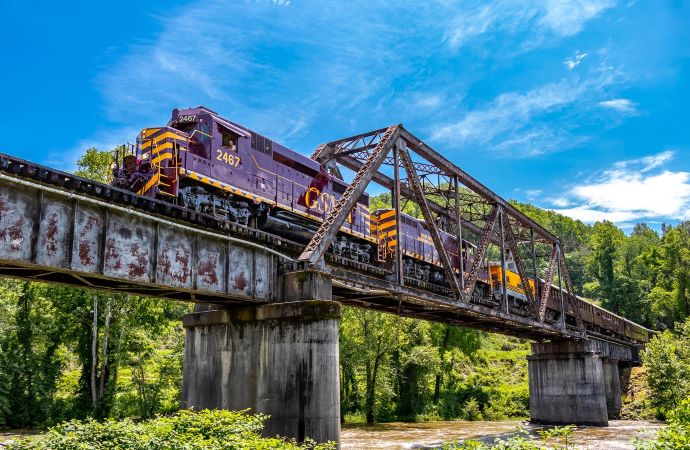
57, 227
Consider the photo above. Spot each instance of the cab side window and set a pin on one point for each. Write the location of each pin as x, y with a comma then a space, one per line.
229, 141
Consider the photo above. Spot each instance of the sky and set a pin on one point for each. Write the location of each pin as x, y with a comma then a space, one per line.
580, 106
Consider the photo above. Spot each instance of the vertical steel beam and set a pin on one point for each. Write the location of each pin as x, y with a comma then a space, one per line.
481, 251
533, 250
398, 216
571, 297
560, 288
513, 246
548, 281
322, 239
461, 244
504, 286
418, 190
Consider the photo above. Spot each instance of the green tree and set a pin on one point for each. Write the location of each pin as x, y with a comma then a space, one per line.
667, 360
95, 165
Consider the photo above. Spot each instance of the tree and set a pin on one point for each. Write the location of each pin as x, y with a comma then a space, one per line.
667, 360
95, 165
606, 241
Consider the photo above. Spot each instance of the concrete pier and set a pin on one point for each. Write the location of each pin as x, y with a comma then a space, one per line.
279, 359
612, 385
571, 382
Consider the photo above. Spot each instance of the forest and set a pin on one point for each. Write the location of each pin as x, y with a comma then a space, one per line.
67, 353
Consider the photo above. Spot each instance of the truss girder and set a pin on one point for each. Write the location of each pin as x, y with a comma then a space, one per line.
322, 239
471, 279
571, 295
546, 290
430, 220
513, 246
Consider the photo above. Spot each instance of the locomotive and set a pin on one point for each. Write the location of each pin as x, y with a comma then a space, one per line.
211, 165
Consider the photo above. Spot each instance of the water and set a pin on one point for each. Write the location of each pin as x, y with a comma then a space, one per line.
618, 435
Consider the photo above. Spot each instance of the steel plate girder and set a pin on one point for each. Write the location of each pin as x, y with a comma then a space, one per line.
92, 243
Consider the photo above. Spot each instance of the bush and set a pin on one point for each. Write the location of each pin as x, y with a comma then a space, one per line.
667, 362
676, 435
208, 429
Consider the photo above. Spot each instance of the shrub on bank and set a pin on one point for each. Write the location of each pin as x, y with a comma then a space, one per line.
208, 429
676, 435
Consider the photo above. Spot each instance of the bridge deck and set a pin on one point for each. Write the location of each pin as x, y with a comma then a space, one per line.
56, 227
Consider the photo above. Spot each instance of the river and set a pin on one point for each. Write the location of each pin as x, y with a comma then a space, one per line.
618, 435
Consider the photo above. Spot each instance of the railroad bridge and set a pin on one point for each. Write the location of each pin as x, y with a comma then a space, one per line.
265, 331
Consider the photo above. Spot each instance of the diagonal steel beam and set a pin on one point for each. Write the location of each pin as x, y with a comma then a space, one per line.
416, 185
513, 246
487, 236
438, 160
405, 192
314, 251
546, 289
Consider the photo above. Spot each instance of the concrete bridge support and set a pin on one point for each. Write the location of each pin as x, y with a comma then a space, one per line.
573, 382
278, 359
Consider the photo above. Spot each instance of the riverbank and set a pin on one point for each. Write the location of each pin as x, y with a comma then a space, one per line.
398, 435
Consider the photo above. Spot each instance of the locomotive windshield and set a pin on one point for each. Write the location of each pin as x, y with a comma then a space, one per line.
185, 127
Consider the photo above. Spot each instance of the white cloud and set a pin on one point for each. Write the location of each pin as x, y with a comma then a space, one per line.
511, 124
567, 17
573, 62
633, 190
532, 194
559, 202
428, 101
281, 71
646, 163
621, 105
550, 17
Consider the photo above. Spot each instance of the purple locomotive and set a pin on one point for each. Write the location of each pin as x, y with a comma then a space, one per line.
209, 164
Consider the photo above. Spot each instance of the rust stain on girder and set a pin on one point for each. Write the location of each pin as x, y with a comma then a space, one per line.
49, 238
15, 231
207, 269
240, 282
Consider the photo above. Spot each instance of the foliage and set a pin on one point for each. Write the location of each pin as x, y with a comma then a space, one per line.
71, 353
185, 429
676, 436
667, 361
95, 165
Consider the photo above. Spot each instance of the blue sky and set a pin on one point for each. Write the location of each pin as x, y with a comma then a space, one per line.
581, 106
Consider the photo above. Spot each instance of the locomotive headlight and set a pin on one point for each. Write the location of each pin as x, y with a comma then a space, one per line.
145, 156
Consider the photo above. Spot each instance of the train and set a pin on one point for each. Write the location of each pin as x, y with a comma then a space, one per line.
209, 164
